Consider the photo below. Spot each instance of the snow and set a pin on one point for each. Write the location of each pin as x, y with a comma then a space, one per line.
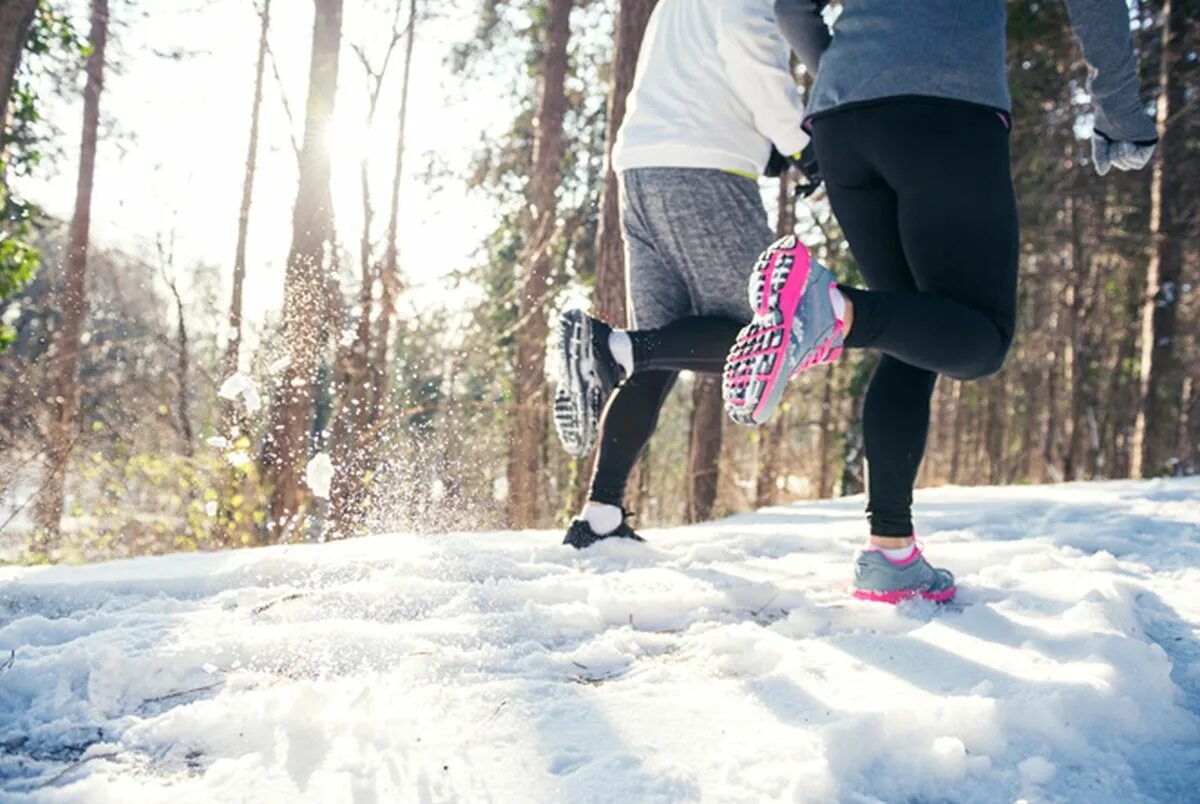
238, 458
318, 475
239, 385
716, 663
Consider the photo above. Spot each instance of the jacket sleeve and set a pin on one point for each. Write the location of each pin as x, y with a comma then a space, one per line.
1102, 27
757, 62
804, 29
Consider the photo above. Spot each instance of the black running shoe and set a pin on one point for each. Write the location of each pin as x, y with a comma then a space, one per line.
586, 375
581, 535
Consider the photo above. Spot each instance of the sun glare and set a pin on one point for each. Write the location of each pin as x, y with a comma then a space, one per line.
348, 139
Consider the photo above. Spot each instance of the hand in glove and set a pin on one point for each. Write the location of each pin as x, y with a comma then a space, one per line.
806, 163
1109, 153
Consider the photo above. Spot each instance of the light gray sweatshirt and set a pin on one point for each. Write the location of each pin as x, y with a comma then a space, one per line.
955, 49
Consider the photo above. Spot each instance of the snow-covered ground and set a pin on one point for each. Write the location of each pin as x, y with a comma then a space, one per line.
716, 663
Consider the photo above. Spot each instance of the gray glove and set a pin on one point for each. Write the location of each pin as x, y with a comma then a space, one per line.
1109, 153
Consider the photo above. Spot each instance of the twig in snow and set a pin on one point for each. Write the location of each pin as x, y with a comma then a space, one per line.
596, 681
12, 657
74, 765
503, 704
763, 607
263, 607
179, 694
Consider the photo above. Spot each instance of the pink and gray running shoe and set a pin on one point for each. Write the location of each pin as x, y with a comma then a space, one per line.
879, 579
794, 328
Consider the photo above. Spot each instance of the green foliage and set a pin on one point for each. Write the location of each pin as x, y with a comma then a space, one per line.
141, 503
51, 38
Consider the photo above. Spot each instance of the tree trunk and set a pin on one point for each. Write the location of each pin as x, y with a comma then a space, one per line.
1021, 469
354, 450
825, 438
609, 301
1077, 351
1121, 402
304, 286
529, 417
770, 441
854, 467
1154, 438
389, 273
1192, 432
956, 435
997, 423
704, 446
182, 369
15, 18
239, 259
1053, 369
61, 432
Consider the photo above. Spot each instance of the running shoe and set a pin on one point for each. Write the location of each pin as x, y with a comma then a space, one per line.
580, 534
879, 579
794, 328
586, 374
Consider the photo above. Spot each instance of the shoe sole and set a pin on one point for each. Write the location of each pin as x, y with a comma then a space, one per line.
577, 404
901, 595
583, 544
754, 371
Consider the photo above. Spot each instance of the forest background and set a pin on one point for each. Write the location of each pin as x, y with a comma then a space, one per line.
276, 271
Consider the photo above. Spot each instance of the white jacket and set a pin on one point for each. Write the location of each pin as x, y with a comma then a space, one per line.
713, 89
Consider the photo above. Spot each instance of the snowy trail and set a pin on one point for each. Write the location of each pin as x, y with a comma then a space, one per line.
716, 663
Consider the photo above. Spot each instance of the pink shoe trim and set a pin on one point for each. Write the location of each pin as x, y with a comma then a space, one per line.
789, 299
901, 595
916, 553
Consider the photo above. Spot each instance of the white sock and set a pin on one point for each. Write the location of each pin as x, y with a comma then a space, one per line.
899, 553
603, 518
621, 346
839, 303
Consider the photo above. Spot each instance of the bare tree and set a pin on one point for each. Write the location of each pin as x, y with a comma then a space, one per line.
389, 273
305, 288
529, 418
1155, 446
353, 454
239, 260
67, 340
166, 268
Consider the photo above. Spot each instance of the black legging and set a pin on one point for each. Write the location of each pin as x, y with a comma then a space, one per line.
922, 191
697, 344
921, 188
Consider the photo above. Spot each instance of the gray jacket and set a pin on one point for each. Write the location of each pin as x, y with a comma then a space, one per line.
955, 49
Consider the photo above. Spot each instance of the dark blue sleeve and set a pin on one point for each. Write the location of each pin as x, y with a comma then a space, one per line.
804, 28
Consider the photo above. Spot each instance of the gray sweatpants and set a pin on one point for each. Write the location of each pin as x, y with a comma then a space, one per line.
692, 236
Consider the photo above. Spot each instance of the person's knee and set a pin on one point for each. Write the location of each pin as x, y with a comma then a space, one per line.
988, 358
